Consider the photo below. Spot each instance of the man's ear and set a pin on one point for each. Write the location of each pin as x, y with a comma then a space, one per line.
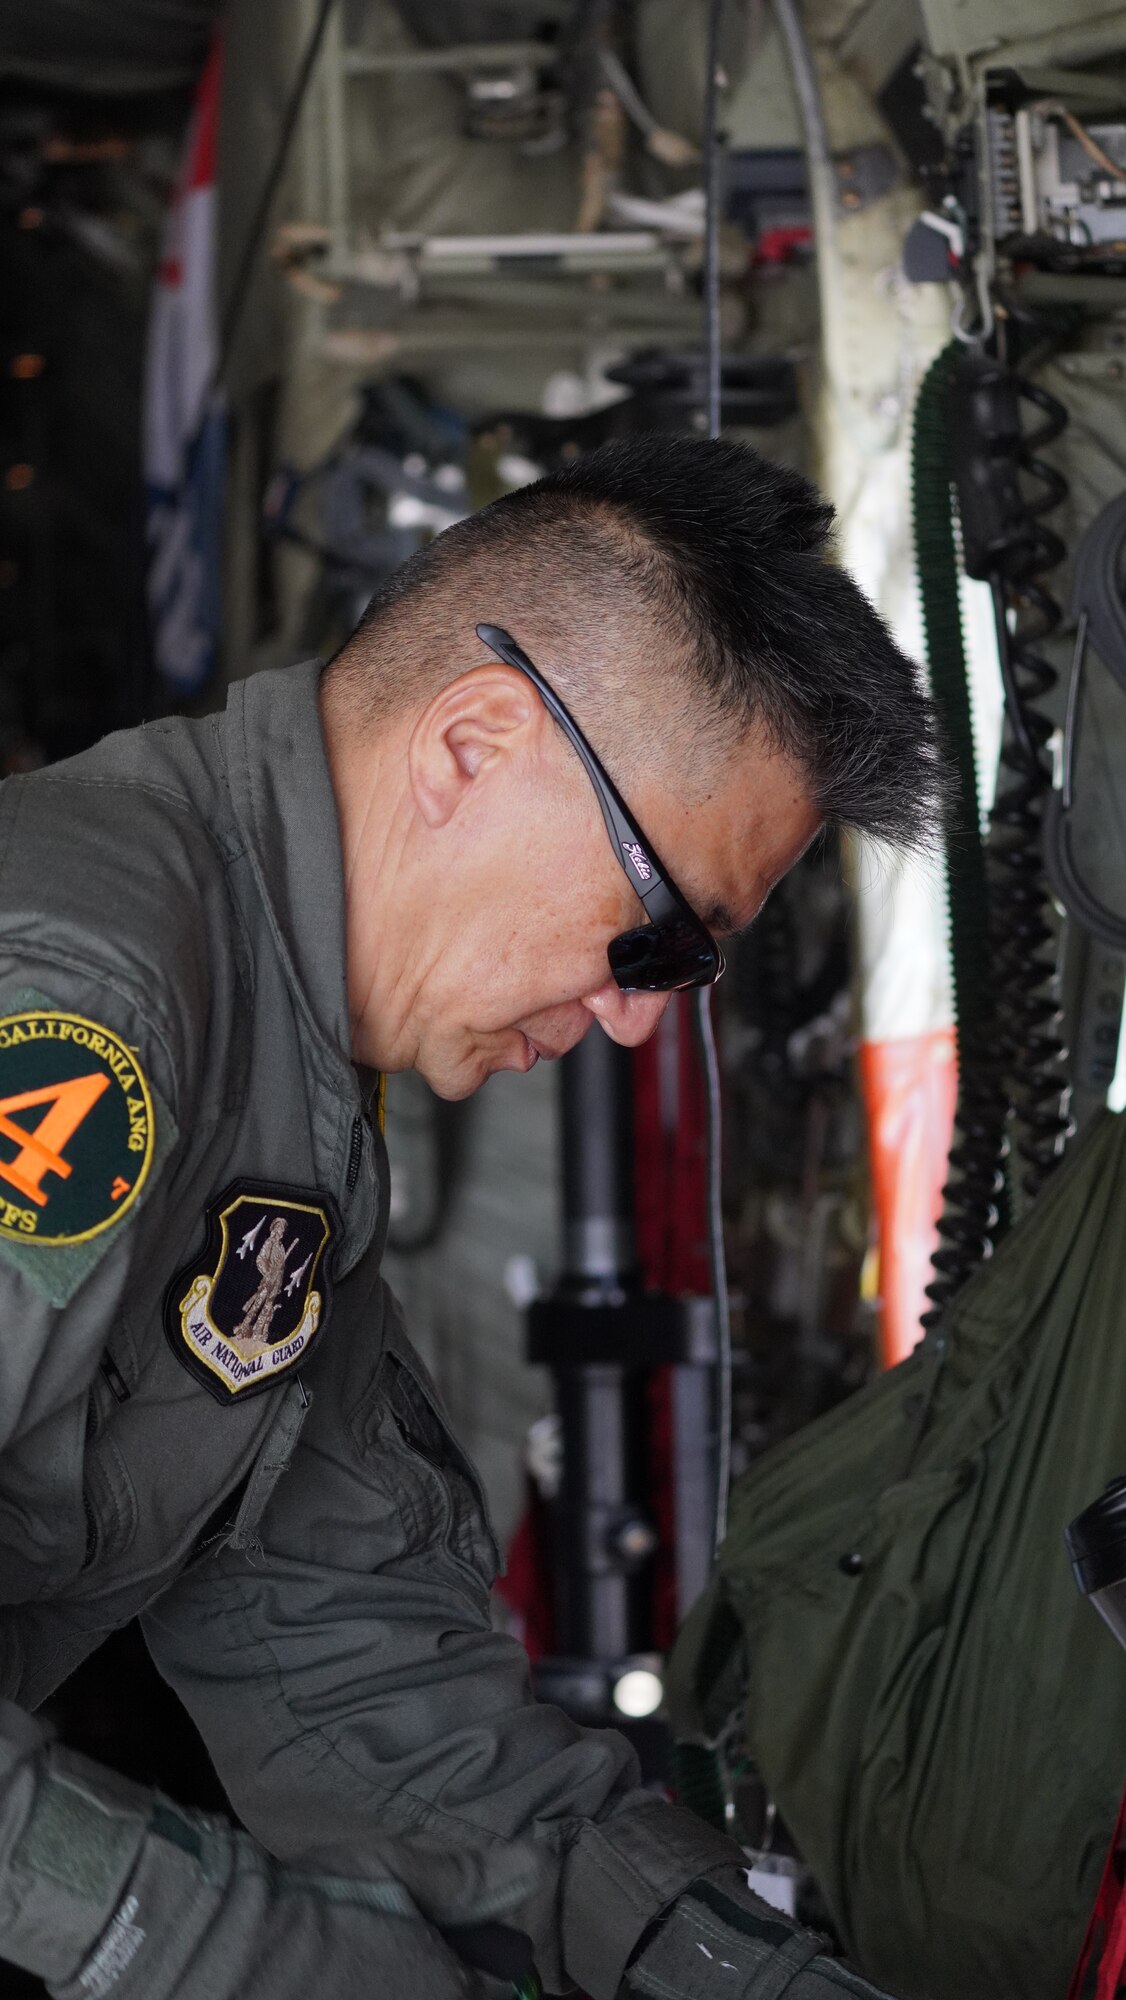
462, 735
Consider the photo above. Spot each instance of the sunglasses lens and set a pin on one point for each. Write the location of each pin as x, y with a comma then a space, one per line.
663, 958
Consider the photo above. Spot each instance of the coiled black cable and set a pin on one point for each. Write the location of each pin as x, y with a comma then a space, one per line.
975, 1205
1025, 937
1008, 543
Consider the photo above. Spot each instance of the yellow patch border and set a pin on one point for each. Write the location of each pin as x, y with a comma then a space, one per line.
99, 1027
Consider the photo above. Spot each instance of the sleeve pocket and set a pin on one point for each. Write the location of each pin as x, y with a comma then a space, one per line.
403, 1423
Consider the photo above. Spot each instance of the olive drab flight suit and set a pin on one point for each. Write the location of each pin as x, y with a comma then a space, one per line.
211, 1417
288, 1512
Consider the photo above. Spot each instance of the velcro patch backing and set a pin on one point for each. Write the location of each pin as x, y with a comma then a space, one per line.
74, 1840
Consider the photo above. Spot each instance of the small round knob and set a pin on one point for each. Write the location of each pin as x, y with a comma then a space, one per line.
634, 1539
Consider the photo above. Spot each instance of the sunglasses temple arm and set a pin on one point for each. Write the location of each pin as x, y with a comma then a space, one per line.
627, 843
624, 835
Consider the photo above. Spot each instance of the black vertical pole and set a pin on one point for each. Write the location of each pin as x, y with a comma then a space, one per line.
601, 1607
602, 1335
599, 1247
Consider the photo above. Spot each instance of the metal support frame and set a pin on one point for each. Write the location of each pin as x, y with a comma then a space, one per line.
409, 277
602, 1334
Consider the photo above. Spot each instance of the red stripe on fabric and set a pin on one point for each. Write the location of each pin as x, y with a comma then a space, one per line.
205, 120
1105, 1942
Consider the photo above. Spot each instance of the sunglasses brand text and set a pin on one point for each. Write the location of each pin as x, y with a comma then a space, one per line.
639, 859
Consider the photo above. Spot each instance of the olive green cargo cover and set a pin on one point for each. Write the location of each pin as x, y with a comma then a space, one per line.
939, 1715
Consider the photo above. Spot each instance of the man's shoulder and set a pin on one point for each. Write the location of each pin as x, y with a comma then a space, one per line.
144, 794
114, 882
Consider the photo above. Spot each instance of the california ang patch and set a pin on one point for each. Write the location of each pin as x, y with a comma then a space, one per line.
76, 1128
248, 1308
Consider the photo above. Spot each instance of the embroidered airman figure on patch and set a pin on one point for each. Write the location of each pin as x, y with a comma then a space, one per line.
76, 1128
248, 1308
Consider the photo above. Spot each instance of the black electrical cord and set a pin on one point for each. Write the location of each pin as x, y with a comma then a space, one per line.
975, 1199
705, 1024
1024, 935
969, 429
244, 271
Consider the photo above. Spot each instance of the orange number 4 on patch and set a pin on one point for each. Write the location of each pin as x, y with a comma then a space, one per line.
41, 1151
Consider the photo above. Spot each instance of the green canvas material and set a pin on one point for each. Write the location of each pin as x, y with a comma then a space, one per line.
943, 1725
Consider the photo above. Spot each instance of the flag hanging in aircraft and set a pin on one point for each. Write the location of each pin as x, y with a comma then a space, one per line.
184, 424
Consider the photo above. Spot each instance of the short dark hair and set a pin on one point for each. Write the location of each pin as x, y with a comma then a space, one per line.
729, 553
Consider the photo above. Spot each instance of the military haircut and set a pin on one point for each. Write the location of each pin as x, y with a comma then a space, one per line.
681, 594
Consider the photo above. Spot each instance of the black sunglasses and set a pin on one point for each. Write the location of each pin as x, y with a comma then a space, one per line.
674, 949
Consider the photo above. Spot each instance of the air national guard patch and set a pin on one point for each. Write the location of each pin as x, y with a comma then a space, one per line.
76, 1128
248, 1309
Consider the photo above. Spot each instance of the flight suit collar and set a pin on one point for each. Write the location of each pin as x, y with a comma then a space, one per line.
286, 807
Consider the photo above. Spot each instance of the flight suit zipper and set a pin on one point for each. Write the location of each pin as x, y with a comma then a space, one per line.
355, 1155
115, 1380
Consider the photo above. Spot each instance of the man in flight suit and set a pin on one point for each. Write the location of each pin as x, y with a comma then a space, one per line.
214, 937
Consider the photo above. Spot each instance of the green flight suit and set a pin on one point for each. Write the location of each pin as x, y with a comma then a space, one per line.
311, 1563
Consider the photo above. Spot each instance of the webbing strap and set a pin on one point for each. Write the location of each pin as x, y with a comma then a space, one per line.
783, 1966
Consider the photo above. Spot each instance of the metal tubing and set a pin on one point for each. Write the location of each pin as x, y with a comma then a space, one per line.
600, 1607
693, 1481
597, 1134
463, 56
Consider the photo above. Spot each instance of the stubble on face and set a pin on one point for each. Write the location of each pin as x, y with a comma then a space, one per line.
503, 946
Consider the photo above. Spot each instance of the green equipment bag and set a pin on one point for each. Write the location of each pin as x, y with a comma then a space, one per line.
938, 1714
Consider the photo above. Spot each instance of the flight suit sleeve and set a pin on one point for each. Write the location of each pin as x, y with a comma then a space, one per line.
351, 1689
107, 1887
90, 1088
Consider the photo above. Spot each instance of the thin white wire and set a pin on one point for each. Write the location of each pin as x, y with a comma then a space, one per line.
712, 163
808, 93
626, 91
704, 1019
717, 1257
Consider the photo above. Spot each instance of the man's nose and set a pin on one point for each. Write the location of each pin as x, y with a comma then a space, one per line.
629, 1018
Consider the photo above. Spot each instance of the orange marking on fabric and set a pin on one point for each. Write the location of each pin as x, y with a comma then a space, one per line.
41, 1151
